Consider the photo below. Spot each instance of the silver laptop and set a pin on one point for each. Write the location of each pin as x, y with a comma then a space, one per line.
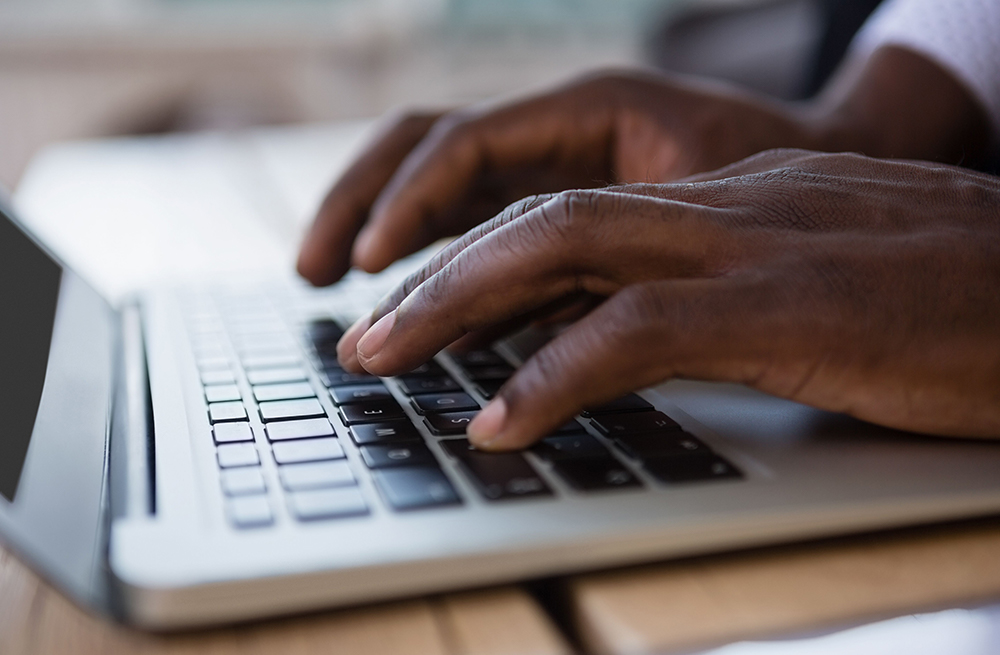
198, 457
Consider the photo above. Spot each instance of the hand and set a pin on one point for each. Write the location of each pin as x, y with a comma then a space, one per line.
427, 176
432, 175
856, 285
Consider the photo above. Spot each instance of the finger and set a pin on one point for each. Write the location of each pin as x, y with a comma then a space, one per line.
570, 244
722, 329
325, 253
347, 346
561, 131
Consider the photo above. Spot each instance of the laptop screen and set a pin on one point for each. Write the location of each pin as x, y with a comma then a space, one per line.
29, 289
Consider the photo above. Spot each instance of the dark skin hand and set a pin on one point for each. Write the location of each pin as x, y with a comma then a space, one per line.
428, 176
856, 285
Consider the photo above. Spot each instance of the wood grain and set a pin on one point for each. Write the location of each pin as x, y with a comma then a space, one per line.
772, 592
35, 619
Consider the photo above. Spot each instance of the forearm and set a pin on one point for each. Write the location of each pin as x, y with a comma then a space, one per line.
902, 105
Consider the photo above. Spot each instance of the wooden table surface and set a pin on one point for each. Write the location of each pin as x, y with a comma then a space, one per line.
796, 589
35, 619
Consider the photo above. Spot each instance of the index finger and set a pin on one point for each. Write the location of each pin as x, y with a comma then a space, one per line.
325, 254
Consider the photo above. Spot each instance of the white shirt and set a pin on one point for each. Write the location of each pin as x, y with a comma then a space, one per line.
961, 36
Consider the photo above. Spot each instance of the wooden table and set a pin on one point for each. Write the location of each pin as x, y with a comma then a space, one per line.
35, 619
773, 592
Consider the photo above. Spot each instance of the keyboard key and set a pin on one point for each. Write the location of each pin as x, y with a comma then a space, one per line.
371, 411
402, 454
694, 468
387, 432
307, 450
232, 432
218, 376
595, 473
498, 476
327, 504
284, 409
337, 377
231, 411
635, 423
213, 363
237, 454
285, 391
217, 393
570, 446
500, 372
489, 388
243, 481
570, 427
427, 369
270, 360
304, 429
479, 359
432, 384
450, 423
647, 446
276, 375
414, 487
250, 512
629, 403
324, 329
435, 403
359, 393
315, 475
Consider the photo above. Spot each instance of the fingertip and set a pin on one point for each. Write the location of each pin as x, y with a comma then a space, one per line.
486, 429
347, 347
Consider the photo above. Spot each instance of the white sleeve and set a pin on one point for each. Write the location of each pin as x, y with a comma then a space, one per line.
961, 36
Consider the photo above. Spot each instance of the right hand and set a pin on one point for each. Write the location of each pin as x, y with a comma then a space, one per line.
427, 176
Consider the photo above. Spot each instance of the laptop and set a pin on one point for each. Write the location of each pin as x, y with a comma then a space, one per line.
196, 456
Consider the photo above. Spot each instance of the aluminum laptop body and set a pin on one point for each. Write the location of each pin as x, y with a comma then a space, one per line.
116, 482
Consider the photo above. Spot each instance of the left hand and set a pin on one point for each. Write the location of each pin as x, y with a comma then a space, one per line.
864, 286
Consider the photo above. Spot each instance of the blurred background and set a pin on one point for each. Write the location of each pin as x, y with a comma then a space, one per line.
92, 68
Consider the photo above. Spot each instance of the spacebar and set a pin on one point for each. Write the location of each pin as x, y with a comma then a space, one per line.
498, 476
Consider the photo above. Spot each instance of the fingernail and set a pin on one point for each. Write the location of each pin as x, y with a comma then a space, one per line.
375, 337
347, 347
488, 423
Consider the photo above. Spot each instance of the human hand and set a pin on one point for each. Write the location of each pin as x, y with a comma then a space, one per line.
426, 176
856, 285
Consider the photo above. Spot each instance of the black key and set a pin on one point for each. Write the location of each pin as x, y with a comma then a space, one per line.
635, 423
427, 369
570, 446
649, 446
324, 330
572, 427
435, 403
449, 423
338, 377
498, 476
276, 410
371, 411
629, 403
387, 432
695, 468
489, 388
499, 372
402, 454
479, 358
358, 393
595, 473
433, 384
415, 487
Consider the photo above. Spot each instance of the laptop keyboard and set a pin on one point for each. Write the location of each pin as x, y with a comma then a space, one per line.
242, 344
